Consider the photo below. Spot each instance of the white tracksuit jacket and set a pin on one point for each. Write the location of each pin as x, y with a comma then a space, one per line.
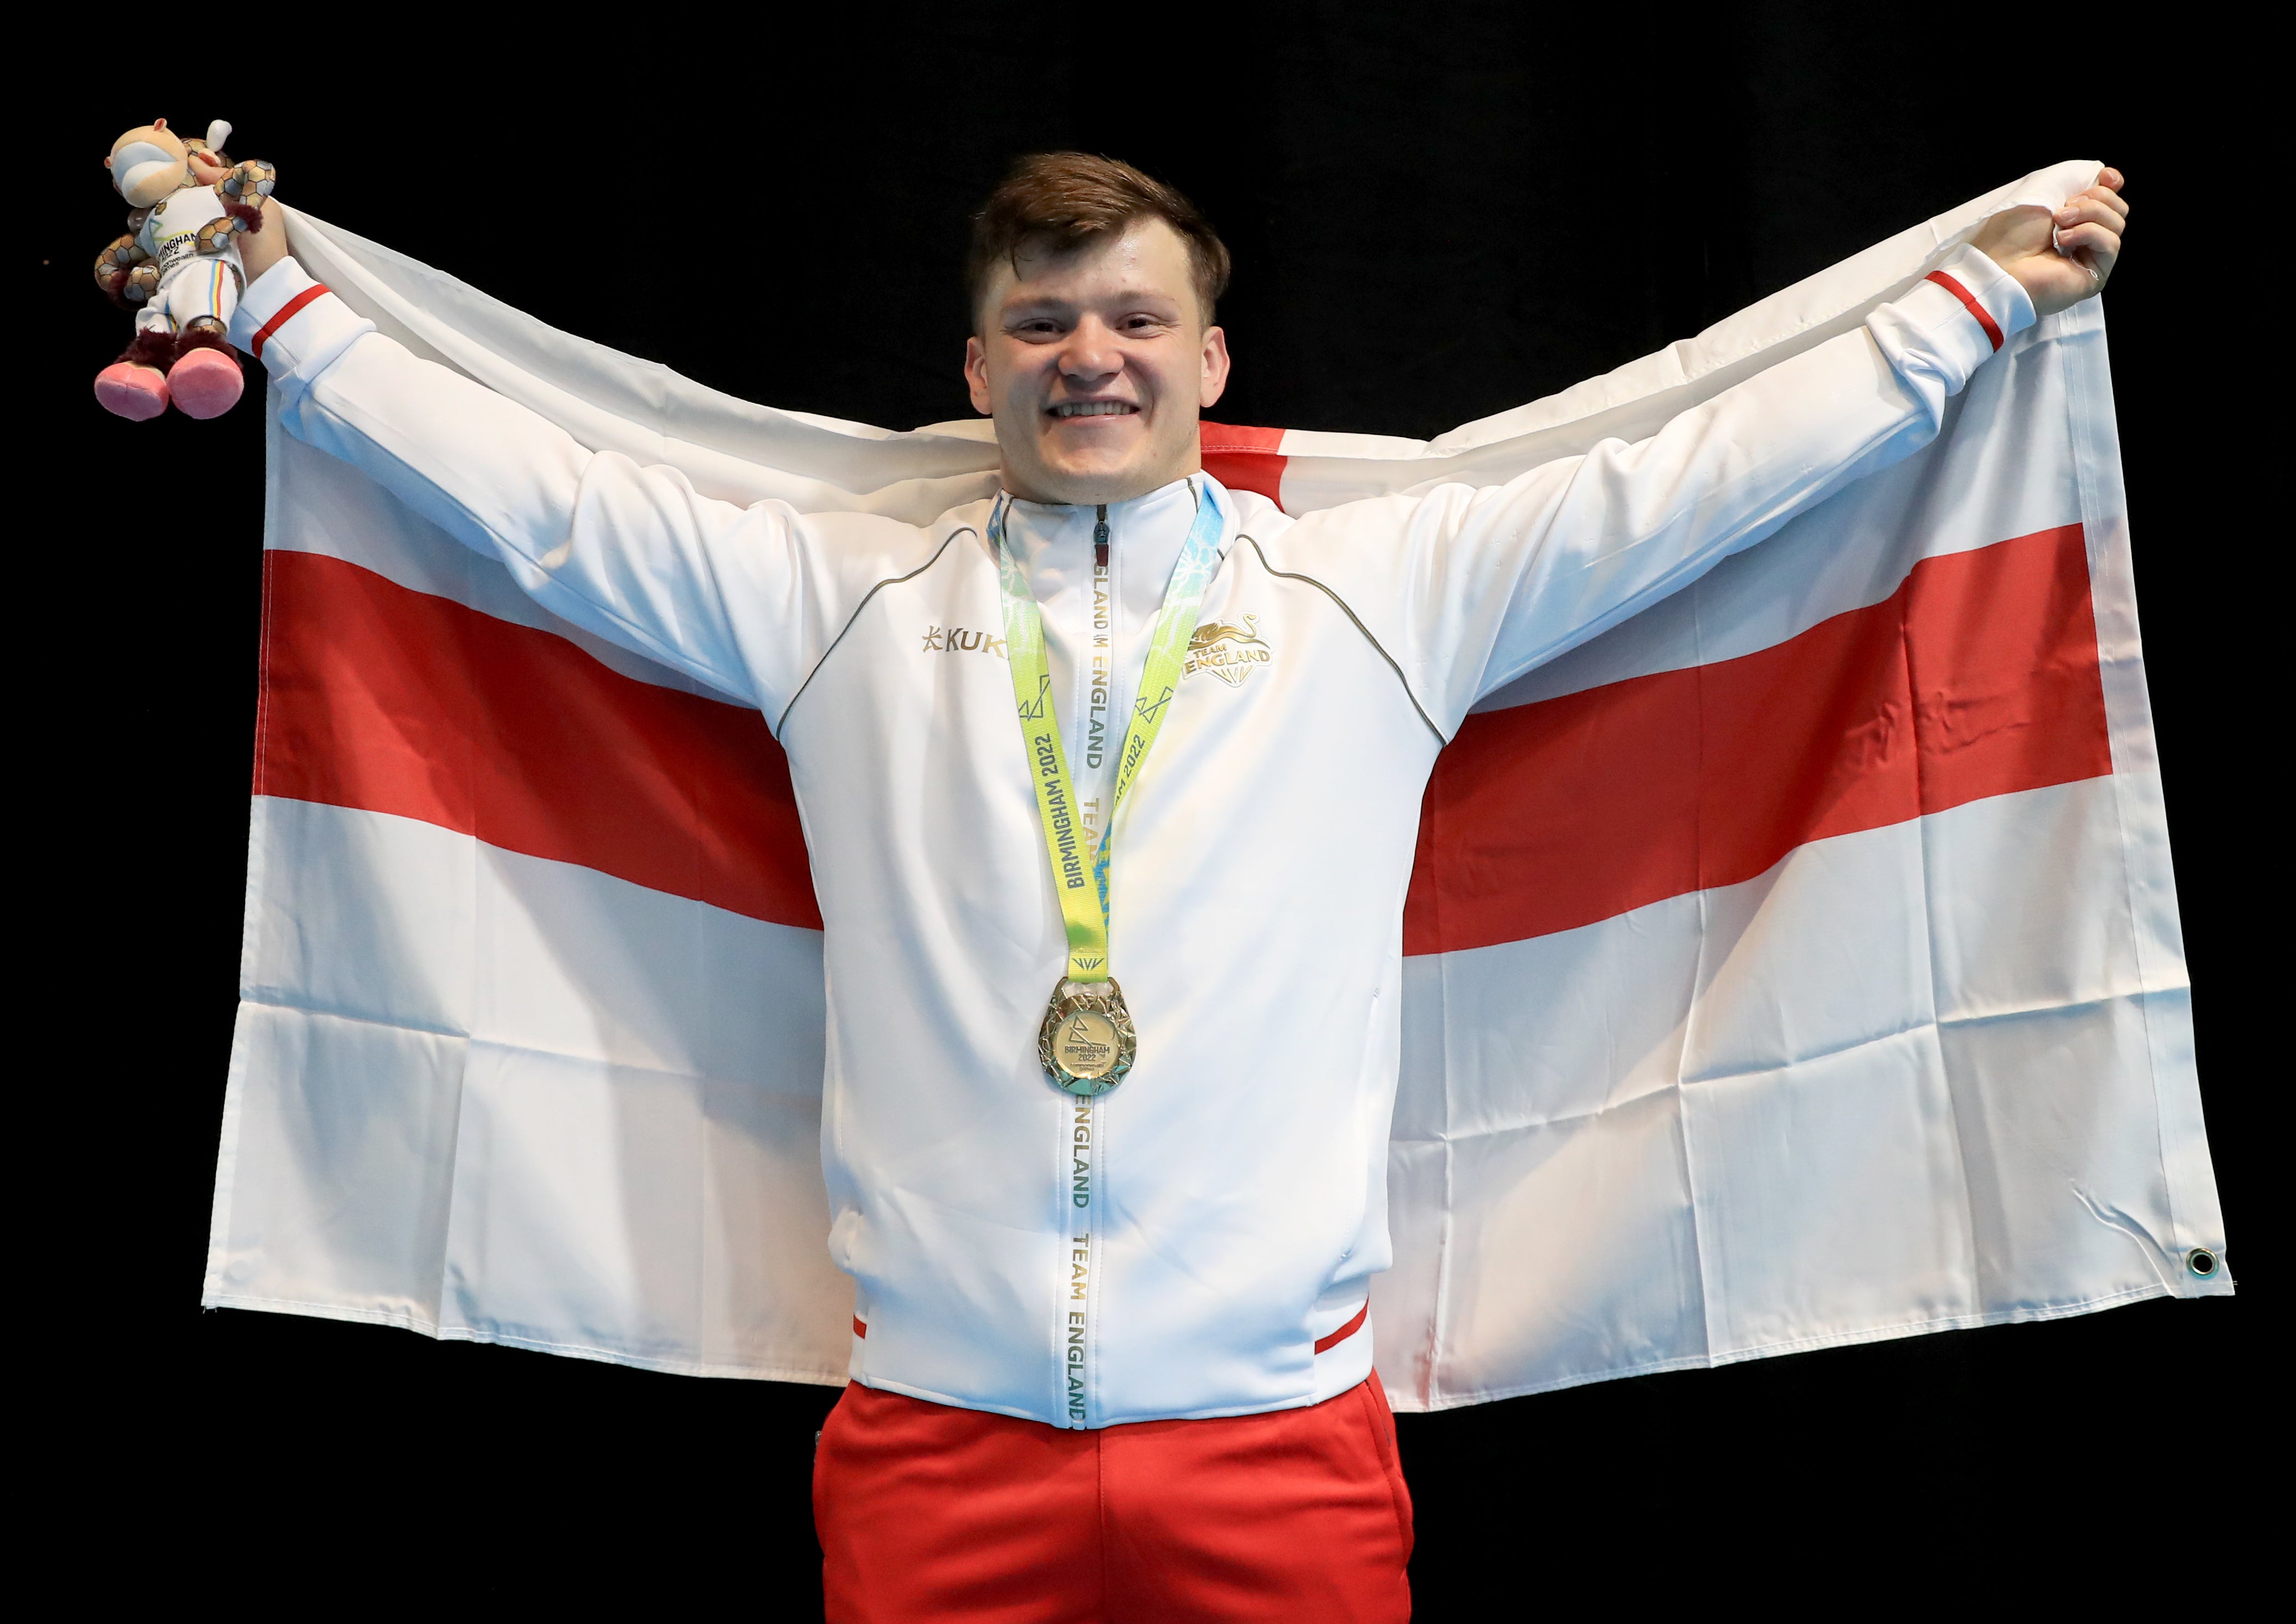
1182, 1248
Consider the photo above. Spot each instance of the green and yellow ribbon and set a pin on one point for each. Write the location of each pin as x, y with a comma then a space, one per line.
1081, 871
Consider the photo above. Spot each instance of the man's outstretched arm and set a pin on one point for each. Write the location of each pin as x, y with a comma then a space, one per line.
1494, 580
630, 553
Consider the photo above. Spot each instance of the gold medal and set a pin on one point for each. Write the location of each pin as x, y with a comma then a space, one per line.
1087, 1043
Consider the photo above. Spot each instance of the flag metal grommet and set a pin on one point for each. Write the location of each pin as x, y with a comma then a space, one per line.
2202, 1262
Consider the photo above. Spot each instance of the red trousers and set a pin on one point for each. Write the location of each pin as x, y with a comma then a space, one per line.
928, 1512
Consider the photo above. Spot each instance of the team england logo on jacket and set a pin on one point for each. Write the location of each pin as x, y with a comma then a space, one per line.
1229, 653
958, 640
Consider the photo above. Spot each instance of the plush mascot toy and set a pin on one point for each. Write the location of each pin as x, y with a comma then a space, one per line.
178, 269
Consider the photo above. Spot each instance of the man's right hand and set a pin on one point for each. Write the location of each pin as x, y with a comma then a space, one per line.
259, 250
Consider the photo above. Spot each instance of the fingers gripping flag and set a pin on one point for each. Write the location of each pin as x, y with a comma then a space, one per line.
1797, 964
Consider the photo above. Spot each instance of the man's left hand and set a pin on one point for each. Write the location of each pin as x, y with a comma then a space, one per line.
2064, 257
259, 250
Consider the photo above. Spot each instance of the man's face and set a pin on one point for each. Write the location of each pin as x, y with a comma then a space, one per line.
1095, 365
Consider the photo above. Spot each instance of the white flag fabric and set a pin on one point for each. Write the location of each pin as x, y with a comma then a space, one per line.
1797, 964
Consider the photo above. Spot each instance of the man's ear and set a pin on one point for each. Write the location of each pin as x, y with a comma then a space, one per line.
1214, 382
976, 376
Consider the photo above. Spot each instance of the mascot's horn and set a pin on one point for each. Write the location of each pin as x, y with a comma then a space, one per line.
218, 133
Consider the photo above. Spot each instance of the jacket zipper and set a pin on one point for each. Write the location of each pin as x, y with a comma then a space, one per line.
1080, 1129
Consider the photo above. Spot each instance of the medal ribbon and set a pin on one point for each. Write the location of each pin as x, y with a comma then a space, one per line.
1079, 875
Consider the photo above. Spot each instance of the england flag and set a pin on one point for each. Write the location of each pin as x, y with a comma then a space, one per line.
1797, 964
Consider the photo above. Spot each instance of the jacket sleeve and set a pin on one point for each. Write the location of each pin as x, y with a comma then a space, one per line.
1490, 581
731, 595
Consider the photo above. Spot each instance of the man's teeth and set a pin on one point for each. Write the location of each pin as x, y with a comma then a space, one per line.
1093, 408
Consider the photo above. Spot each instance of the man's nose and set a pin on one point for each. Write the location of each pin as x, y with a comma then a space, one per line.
1091, 353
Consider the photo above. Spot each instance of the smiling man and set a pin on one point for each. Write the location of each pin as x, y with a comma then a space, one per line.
1113, 951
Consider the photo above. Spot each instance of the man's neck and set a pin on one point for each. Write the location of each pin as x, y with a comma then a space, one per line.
1089, 505
1089, 494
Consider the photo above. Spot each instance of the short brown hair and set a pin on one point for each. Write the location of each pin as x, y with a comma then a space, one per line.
1062, 200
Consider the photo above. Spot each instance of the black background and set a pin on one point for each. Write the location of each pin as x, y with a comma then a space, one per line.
1436, 212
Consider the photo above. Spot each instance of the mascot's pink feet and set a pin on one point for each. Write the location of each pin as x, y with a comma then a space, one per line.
205, 383
137, 393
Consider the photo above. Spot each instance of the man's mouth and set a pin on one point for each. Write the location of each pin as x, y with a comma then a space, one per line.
1094, 408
